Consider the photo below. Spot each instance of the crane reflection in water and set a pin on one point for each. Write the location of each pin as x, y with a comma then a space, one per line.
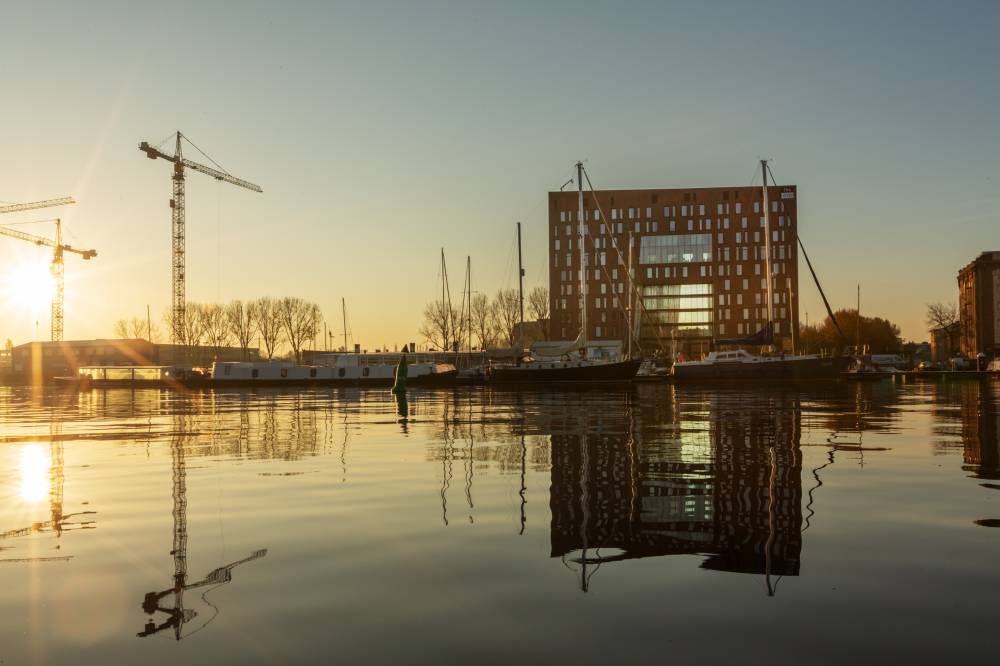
177, 615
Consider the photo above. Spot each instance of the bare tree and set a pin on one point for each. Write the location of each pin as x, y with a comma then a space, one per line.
506, 314
268, 323
192, 333
242, 321
299, 320
538, 307
483, 325
136, 327
941, 315
438, 328
217, 331
944, 317
121, 329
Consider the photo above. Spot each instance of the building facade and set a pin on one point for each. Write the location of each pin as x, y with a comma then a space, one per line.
34, 362
979, 305
697, 258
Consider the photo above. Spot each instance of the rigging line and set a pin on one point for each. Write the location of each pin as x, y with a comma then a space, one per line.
168, 138
221, 168
633, 290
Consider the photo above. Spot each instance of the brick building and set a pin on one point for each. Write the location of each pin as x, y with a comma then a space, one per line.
979, 305
698, 260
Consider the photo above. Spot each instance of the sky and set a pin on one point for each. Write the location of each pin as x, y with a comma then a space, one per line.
383, 132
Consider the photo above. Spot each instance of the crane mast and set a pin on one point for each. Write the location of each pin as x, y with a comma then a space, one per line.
57, 268
178, 227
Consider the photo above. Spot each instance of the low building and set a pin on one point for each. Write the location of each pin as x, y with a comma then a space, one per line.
34, 362
944, 342
979, 305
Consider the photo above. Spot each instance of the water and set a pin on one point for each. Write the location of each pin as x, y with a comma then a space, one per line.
846, 523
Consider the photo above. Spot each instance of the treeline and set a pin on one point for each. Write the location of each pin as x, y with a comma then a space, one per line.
881, 335
484, 323
272, 321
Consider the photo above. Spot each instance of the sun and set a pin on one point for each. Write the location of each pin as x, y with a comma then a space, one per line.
26, 285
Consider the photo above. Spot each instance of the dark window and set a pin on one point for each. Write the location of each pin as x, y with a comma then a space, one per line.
284, 372
312, 372
365, 371
341, 372
254, 373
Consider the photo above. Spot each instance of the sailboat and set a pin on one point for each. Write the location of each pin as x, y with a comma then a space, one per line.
740, 364
570, 363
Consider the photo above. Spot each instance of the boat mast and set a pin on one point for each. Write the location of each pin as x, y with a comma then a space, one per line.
520, 291
343, 312
767, 250
581, 222
468, 295
628, 309
858, 345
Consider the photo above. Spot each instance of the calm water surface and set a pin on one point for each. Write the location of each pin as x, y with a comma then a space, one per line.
839, 524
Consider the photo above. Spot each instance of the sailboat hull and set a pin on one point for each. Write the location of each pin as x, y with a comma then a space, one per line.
765, 369
622, 371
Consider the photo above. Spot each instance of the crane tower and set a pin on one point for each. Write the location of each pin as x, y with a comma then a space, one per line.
177, 306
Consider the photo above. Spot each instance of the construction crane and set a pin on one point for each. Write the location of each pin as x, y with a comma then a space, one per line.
177, 220
17, 208
57, 268
177, 615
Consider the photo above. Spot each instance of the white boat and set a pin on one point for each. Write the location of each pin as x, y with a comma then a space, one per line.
346, 369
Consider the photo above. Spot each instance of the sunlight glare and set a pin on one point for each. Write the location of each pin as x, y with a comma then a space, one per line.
34, 468
27, 284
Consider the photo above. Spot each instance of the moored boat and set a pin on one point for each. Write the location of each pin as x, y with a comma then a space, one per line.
740, 364
348, 369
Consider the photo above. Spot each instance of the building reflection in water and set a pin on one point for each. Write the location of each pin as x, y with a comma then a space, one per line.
981, 437
723, 483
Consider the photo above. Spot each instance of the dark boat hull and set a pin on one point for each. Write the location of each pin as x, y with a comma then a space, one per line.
623, 371
785, 369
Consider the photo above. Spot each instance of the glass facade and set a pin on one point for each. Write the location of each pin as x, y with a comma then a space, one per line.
677, 310
675, 248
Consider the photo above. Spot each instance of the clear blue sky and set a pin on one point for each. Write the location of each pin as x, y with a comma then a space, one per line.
381, 132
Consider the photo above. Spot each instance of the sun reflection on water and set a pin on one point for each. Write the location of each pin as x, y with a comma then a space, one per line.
34, 469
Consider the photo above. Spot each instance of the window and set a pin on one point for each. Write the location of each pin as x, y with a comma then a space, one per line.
631, 213
365, 371
739, 208
254, 373
284, 372
718, 209
312, 372
675, 249
649, 212
684, 211
614, 213
756, 206
562, 216
341, 372
701, 209
597, 218
557, 243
